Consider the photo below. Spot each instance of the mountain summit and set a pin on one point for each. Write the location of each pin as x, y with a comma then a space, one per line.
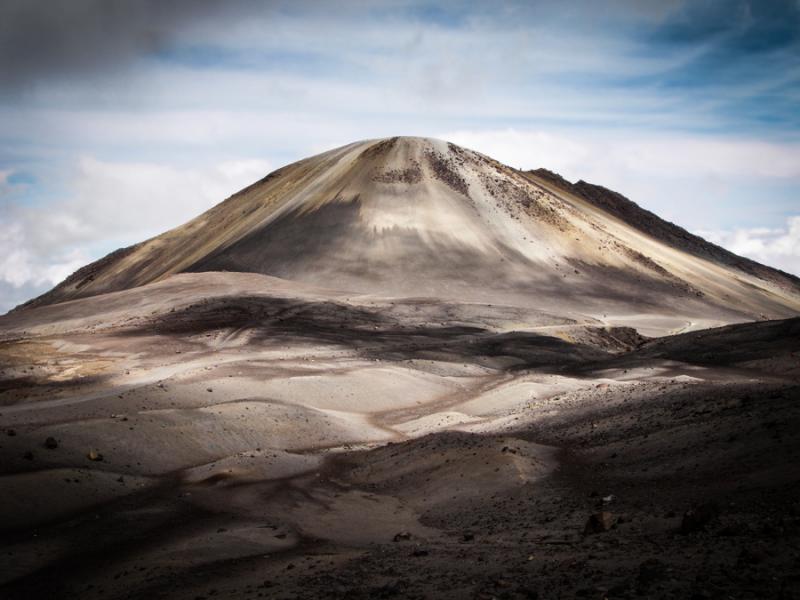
407, 216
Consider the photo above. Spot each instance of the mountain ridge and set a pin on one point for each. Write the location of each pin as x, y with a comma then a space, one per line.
409, 216
650, 223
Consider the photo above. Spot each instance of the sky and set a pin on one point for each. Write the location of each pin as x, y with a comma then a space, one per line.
122, 119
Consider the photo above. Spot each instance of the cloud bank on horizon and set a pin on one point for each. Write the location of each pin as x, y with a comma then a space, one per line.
119, 120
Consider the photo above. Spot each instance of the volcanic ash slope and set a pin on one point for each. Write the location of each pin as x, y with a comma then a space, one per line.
417, 217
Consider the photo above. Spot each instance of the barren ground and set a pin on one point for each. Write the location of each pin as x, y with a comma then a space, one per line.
304, 444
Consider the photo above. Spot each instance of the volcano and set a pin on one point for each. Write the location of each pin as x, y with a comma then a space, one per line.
421, 217
403, 369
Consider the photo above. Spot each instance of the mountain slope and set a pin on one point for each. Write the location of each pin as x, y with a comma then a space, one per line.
647, 222
422, 217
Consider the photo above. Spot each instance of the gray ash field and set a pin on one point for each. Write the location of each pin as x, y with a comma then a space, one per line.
401, 369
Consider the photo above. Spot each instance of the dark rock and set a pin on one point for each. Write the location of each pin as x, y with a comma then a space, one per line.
599, 523
420, 552
28, 455
11, 432
403, 536
697, 519
51, 443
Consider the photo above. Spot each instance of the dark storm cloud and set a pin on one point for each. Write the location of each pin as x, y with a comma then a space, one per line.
45, 39
740, 26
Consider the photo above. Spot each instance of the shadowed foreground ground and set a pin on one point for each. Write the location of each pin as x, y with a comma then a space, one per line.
308, 447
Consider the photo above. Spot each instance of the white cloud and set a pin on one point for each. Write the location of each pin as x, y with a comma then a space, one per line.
714, 157
109, 202
20, 267
579, 156
140, 198
774, 247
526, 149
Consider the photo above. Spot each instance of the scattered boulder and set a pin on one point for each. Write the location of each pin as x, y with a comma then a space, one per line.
698, 518
94, 455
51, 443
403, 536
599, 523
11, 432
